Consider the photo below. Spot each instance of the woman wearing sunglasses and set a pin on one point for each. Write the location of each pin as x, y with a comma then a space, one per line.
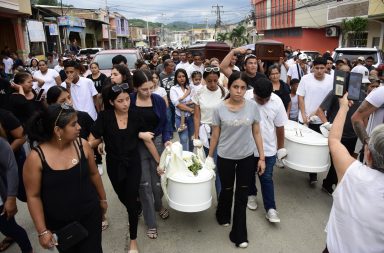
181, 99
61, 179
120, 130
153, 118
206, 100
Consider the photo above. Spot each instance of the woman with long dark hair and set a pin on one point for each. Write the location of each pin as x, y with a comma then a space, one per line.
61, 179
119, 128
152, 111
181, 99
236, 134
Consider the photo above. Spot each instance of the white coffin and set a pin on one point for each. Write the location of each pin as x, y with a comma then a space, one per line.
307, 150
189, 193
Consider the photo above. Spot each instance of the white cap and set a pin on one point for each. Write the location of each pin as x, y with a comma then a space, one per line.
361, 58
362, 70
303, 57
294, 53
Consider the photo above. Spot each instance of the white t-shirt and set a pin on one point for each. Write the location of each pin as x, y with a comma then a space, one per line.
58, 68
176, 93
49, 78
292, 71
356, 220
160, 91
294, 113
193, 67
376, 98
194, 89
183, 65
314, 92
82, 94
272, 114
8, 63
208, 100
283, 73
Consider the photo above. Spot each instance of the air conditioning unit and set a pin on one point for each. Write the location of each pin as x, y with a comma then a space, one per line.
331, 31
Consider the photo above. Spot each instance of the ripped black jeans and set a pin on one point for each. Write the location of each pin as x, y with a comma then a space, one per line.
229, 170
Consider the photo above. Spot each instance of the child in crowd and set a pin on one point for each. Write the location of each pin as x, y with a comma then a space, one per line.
294, 112
196, 82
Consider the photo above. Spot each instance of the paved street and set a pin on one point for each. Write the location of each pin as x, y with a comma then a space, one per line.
303, 211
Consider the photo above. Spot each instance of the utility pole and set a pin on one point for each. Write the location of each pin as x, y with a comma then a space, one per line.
217, 10
109, 26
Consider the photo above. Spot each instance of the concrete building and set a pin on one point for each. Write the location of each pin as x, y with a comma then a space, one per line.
13, 25
373, 10
299, 24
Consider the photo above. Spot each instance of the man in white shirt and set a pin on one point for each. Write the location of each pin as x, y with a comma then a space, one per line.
82, 90
183, 64
272, 119
312, 90
372, 109
299, 69
197, 65
8, 63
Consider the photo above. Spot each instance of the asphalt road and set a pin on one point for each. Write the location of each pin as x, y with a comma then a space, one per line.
303, 210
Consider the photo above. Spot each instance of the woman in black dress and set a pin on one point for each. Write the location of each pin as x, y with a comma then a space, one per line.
120, 130
61, 179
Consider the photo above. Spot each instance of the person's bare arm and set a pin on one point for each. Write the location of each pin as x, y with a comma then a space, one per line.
196, 121
95, 176
288, 79
18, 138
320, 113
256, 132
58, 80
280, 137
340, 155
32, 174
359, 118
289, 108
225, 65
96, 103
214, 140
93, 142
302, 109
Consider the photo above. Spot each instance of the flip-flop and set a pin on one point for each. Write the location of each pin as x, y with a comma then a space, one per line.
104, 225
152, 233
4, 244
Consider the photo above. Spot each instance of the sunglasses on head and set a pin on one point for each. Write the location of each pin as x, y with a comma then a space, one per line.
120, 87
249, 56
64, 106
210, 69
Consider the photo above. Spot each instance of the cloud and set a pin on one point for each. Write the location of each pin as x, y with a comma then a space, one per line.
192, 11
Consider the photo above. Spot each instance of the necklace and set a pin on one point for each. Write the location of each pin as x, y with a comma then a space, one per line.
74, 161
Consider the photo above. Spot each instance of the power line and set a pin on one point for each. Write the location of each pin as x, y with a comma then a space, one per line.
217, 10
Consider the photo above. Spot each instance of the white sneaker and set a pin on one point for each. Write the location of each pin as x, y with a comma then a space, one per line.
100, 168
272, 216
252, 204
243, 245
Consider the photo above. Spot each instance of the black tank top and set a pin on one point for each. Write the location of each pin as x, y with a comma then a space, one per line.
67, 195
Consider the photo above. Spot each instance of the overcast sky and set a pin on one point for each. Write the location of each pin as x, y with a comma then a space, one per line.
166, 11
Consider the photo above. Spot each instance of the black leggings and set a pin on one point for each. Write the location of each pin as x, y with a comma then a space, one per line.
127, 190
12, 229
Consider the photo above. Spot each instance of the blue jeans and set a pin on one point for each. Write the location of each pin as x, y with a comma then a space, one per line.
266, 182
186, 135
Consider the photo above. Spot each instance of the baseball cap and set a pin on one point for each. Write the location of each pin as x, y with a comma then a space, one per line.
361, 58
362, 70
303, 57
294, 53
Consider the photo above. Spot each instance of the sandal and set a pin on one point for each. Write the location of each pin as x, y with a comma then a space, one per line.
181, 128
104, 225
164, 213
4, 244
152, 233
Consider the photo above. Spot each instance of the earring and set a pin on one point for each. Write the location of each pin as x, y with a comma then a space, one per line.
59, 138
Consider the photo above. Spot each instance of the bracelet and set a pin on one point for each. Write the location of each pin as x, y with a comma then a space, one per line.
103, 200
43, 233
262, 159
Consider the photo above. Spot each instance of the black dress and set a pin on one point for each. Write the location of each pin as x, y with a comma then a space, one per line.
69, 195
122, 159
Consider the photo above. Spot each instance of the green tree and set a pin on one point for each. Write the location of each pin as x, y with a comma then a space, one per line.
354, 31
238, 36
222, 37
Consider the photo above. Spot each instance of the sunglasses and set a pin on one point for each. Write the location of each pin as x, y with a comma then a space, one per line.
120, 87
210, 69
64, 106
